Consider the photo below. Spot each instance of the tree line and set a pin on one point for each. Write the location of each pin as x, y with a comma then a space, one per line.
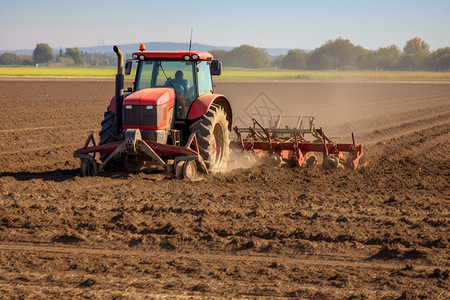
341, 54
338, 54
43, 54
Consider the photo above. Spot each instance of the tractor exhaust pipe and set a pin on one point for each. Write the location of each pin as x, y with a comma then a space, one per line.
119, 91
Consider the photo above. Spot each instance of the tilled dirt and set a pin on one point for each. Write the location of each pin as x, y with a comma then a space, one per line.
378, 232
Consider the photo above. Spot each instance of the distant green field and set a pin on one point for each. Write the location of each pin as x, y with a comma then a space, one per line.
57, 71
237, 74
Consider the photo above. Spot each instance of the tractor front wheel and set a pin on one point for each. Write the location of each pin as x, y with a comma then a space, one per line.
213, 138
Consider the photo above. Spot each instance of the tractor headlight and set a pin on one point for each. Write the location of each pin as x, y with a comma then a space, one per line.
141, 57
194, 56
135, 56
186, 57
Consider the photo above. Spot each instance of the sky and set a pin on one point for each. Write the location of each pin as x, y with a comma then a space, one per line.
294, 24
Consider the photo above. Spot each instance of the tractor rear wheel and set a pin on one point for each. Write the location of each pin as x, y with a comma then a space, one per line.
213, 138
108, 135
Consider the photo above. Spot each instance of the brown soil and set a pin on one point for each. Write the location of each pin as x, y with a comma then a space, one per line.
380, 232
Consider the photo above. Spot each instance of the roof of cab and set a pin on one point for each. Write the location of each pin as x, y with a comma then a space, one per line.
175, 55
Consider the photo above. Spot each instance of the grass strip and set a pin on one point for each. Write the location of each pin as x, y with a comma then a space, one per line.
237, 74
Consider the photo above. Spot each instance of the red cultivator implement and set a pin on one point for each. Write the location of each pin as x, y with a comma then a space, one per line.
296, 144
178, 161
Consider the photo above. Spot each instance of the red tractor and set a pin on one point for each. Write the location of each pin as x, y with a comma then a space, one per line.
170, 117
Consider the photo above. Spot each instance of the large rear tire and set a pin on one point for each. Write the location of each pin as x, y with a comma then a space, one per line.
108, 135
213, 138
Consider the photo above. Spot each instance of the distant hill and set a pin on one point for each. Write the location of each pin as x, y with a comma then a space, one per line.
151, 46
18, 52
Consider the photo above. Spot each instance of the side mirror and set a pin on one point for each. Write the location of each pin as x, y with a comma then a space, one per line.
216, 67
128, 66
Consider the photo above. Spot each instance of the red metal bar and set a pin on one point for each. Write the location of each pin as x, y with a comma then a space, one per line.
90, 140
160, 149
299, 157
279, 146
325, 148
353, 139
170, 149
107, 148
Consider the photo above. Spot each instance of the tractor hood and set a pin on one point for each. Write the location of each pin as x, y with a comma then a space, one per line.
149, 109
153, 96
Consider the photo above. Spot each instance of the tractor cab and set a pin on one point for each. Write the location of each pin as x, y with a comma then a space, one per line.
187, 73
172, 90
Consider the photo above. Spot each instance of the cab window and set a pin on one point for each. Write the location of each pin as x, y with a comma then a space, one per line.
204, 78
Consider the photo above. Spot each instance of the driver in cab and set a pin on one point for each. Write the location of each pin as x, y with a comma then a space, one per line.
181, 87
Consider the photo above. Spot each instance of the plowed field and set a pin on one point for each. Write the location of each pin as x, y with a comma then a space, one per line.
379, 232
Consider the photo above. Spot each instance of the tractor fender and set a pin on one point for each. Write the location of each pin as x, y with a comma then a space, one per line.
112, 103
202, 104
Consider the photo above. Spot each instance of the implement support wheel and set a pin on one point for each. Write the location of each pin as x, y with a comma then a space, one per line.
88, 167
186, 169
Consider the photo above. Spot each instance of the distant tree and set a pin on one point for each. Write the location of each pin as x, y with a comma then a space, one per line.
10, 59
342, 53
100, 59
409, 62
93, 61
66, 60
219, 54
416, 46
276, 63
246, 56
439, 60
385, 58
107, 61
362, 58
60, 54
294, 60
75, 54
28, 60
43, 53
319, 61
415, 54
338, 54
